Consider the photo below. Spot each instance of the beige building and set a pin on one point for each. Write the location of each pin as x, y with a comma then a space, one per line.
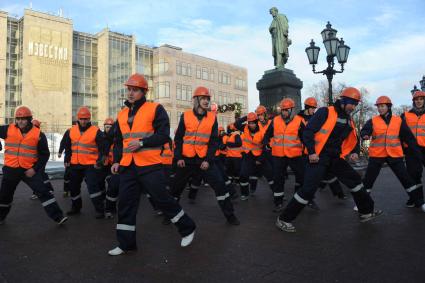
54, 70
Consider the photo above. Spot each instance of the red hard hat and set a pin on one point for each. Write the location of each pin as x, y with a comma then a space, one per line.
83, 113
108, 121
260, 110
418, 93
251, 117
137, 80
311, 101
36, 123
383, 100
352, 92
23, 112
287, 103
201, 91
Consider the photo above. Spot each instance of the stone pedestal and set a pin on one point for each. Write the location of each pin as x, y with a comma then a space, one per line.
277, 84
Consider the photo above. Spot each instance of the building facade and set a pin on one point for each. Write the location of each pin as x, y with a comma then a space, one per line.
54, 70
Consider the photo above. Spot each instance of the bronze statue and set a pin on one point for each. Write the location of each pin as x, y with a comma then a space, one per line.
280, 41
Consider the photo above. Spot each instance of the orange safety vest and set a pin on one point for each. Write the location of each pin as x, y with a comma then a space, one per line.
84, 148
321, 137
167, 155
252, 143
264, 127
385, 138
285, 137
21, 151
141, 128
197, 135
417, 126
235, 152
223, 140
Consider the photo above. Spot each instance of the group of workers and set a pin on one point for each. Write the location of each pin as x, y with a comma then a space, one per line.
135, 155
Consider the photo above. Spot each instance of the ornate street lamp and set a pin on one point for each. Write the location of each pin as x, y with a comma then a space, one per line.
334, 48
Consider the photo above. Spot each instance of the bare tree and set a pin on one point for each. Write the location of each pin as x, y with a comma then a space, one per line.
320, 91
398, 110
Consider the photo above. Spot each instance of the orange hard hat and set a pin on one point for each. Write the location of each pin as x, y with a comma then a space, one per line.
383, 100
260, 110
287, 103
352, 92
418, 93
108, 121
83, 113
201, 91
251, 117
23, 112
220, 129
137, 80
311, 101
36, 123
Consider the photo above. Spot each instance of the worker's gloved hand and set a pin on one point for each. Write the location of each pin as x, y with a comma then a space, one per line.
205, 165
354, 157
99, 164
115, 168
59, 155
181, 163
313, 158
30, 172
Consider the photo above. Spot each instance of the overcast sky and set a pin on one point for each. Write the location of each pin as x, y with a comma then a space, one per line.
387, 38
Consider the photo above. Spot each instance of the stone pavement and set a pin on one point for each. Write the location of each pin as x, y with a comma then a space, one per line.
329, 246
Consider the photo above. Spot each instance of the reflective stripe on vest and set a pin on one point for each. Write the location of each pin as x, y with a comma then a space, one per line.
233, 151
417, 126
142, 127
322, 136
285, 137
197, 134
252, 143
21, 151
84, 148
167, 155
385, 138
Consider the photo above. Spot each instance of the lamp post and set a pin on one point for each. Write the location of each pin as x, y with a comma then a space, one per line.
334, 48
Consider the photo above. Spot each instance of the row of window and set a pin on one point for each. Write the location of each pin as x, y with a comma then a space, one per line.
184, 93
184, 69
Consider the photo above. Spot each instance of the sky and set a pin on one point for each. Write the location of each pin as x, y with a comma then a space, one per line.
387, 38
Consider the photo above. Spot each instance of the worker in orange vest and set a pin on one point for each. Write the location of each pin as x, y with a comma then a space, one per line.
112, 180
267, 161
25, 157
66, 180
142, 129
254, 163
84, 146
286, 148
387, 133
196, 143
329, 137
233, 144
167, 156
415, 119
44, 176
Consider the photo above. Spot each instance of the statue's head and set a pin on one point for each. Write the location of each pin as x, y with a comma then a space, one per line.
274, 11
